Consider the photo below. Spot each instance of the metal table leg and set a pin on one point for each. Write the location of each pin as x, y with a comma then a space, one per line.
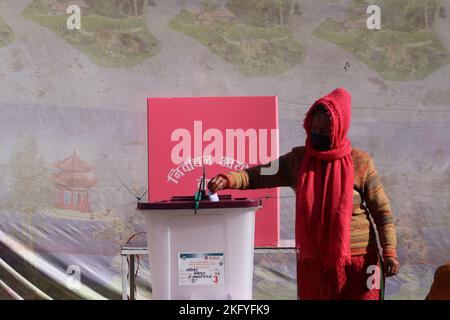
129, 283
124, 278
132, 278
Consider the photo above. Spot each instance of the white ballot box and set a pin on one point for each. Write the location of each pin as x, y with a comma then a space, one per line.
201, 254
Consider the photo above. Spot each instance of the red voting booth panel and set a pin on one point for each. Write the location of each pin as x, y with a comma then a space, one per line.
223, 134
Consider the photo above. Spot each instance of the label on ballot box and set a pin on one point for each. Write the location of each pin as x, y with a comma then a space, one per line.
201, 269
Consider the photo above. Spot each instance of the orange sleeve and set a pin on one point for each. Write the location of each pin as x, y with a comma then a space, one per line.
380, 209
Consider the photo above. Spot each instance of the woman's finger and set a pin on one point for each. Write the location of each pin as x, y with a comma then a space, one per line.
213, 182
217, 185
388, 268
213, 188
396, 268
220, 185
392, 269
217, 182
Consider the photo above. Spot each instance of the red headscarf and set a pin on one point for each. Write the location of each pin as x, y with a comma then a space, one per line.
324, 205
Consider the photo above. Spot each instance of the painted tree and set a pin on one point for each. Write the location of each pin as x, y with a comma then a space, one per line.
132, 7
6, 34
297, 9
429, 10
409, 15
436, 5
209, 5
275, 11
136, 11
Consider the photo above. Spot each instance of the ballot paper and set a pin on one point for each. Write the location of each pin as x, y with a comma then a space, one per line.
213, 197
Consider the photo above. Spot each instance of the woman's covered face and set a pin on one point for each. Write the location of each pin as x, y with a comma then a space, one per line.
321, 124
320, 131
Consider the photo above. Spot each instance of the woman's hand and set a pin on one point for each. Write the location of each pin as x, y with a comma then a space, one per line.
391, 266
217, 183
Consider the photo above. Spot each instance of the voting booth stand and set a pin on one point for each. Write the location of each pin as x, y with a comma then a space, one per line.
201, 250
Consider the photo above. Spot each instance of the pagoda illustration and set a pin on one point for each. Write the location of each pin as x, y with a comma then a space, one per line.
73, 183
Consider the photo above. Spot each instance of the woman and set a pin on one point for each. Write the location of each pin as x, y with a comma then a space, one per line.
337, 188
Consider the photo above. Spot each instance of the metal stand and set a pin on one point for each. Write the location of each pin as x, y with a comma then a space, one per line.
129, 285
129, 254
